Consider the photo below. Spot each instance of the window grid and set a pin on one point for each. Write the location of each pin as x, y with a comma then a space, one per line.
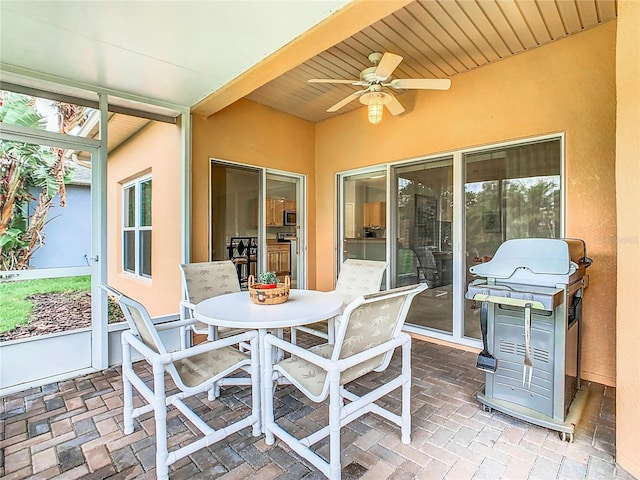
137, 227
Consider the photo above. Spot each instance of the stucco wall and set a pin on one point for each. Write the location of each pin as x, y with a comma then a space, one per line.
628, 200
567, 86
67, 233
253, 134
155, 149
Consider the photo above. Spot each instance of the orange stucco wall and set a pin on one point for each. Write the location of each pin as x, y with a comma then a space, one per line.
155, 149
249, 133
567, 86
628, 200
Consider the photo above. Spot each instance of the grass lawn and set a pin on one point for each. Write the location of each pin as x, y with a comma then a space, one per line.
15, 308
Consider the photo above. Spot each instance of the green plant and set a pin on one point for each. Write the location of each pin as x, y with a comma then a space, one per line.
267, 278
25, 165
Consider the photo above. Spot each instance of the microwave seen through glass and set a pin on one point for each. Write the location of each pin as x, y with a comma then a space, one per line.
290, 217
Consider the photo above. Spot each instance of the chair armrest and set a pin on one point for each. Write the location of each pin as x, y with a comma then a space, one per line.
248, 336
385, 347
322, 362
175, 324
149, 355
188, 305
153, 356
340, 365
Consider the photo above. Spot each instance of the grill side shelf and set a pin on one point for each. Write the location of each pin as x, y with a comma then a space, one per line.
540, 298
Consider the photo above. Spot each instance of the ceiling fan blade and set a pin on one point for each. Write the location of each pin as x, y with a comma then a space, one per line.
346, 100
387, 65
421, 83
394, 106
330, 80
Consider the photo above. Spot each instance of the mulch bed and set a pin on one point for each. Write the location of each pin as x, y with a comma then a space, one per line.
59, 312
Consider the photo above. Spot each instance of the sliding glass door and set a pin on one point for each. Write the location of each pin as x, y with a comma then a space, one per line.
364, 215
235, 217
257, 220
447, 214
510, 192
423, 243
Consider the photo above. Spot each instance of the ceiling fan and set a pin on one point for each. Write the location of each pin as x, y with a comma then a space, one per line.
377, 77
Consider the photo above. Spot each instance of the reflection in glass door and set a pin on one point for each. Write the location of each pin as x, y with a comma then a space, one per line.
284, 209
510, 192
235, 217
423, 247
364, 207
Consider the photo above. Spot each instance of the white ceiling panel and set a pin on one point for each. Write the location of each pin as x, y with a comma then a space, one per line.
180, 52
173, 51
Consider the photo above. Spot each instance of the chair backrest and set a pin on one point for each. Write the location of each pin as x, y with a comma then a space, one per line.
142, 326
208, 279
139, 320
369, 321
359, 277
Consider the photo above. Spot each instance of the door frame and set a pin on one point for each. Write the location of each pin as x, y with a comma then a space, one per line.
301, 209
301, 219
339, 247
96, 357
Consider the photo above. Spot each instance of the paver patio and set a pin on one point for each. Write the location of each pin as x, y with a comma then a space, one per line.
73, 429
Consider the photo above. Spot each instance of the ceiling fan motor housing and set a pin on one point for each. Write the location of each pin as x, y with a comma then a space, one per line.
369, 75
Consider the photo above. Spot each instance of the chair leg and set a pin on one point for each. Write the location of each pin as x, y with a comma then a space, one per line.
160, 414
255, 389
406, 394
212, 336
331, 330
294, 335
335, 405
127, 389
268, 397
185, 332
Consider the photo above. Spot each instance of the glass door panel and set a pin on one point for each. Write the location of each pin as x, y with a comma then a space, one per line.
45, 234
235, 210
423, 247
282, 222
45, 255
364, 207
510, 192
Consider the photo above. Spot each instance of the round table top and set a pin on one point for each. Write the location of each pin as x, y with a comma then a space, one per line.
238, 311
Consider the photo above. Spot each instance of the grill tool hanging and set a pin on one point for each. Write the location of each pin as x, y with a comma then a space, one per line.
486, 362
528, 364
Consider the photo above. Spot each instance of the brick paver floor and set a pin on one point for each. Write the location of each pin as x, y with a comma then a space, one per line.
73, 429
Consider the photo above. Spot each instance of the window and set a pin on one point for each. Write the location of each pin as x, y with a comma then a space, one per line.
136, 235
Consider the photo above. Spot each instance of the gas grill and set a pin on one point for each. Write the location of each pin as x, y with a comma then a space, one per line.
531, 295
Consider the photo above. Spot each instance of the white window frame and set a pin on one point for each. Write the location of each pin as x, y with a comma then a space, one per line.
136, 184
458, 233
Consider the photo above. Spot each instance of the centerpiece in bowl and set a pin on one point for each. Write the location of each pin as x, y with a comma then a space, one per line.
267, 280
268, 291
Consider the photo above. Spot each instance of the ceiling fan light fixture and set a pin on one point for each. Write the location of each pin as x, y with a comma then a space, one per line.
375, 109
375, 102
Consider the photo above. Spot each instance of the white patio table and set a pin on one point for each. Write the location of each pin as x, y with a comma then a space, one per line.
236, 310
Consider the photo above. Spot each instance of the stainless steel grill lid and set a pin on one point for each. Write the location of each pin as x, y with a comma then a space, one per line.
529, 270
533, 261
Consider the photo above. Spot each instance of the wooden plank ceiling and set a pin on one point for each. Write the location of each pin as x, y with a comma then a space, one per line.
437, 39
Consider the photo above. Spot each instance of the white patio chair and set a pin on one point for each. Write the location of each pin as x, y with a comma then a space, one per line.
193, 370
201, 281
368, 334
356, 278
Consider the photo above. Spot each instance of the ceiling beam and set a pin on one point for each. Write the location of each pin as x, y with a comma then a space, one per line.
342, 24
